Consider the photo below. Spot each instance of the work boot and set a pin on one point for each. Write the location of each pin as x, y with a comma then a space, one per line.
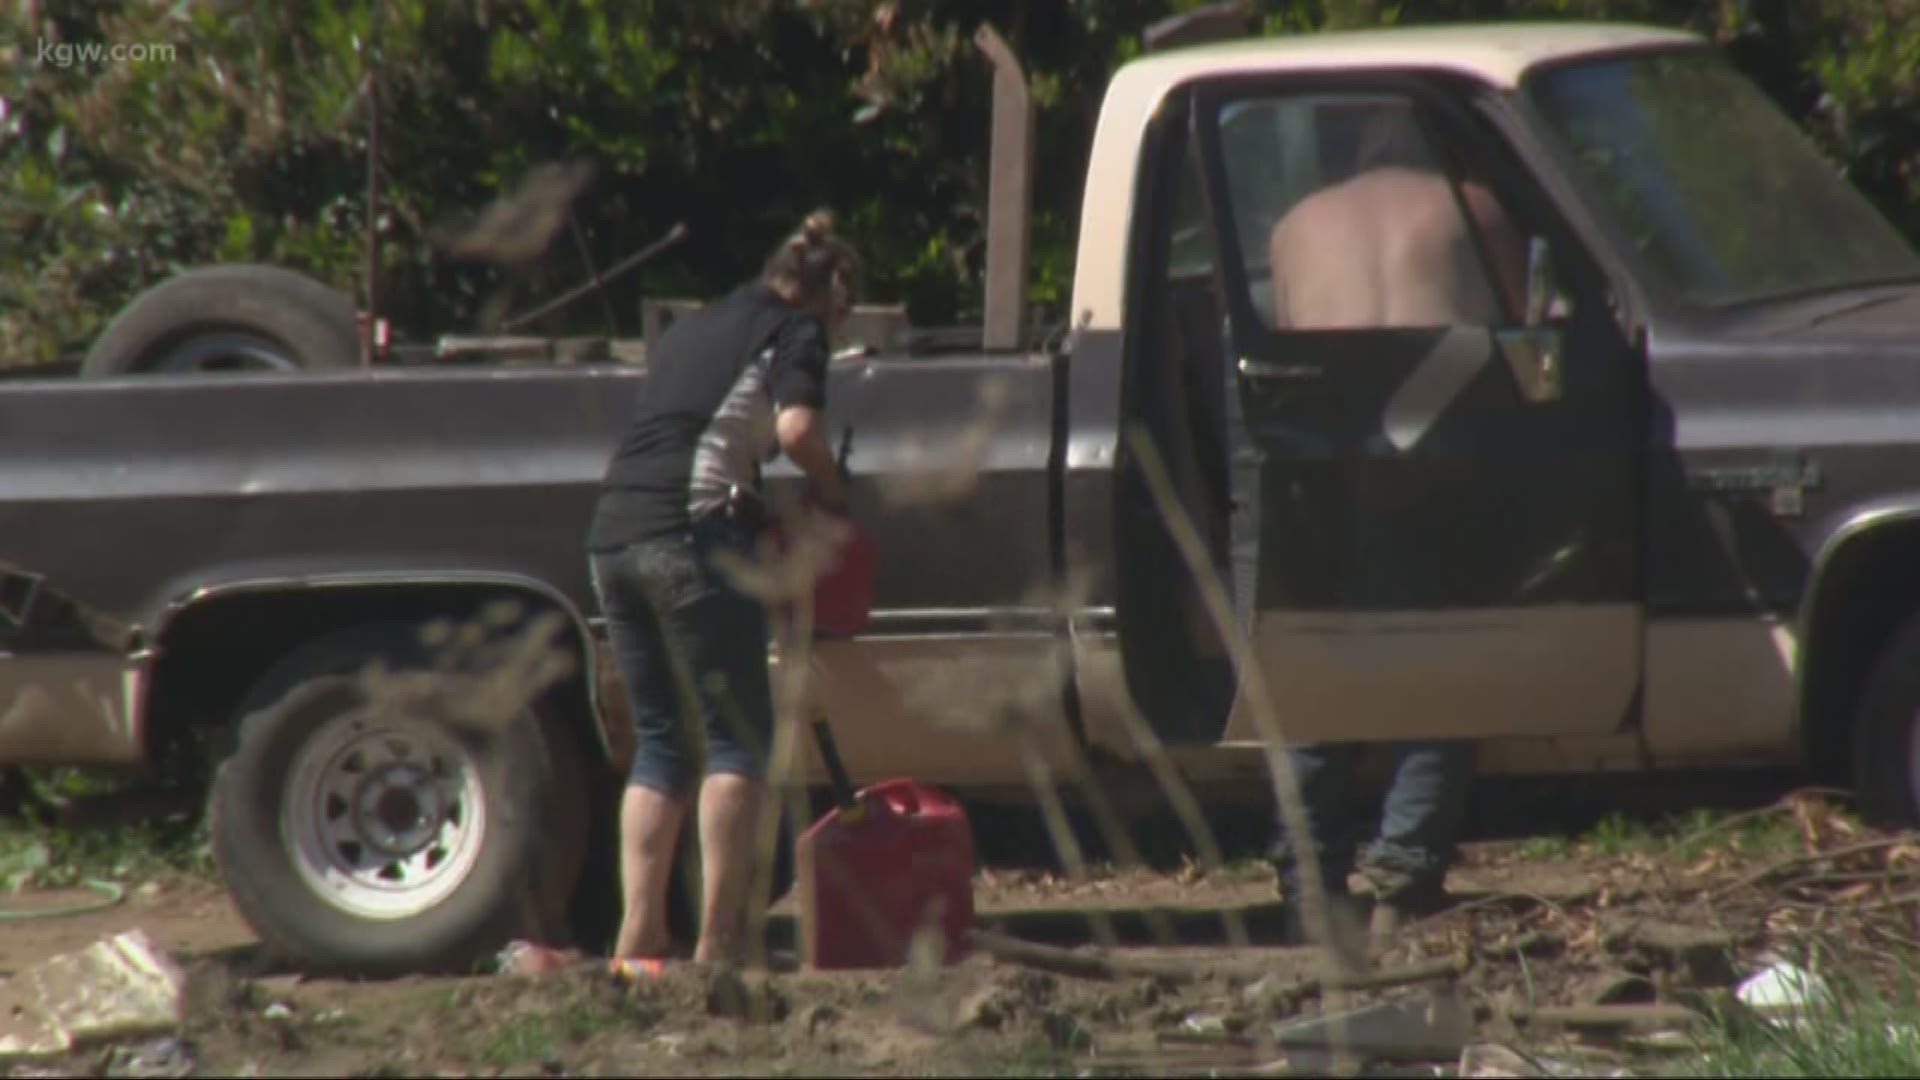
1399, 897
1347, 946
1344, 913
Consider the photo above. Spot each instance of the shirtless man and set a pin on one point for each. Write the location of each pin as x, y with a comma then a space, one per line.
1389, 248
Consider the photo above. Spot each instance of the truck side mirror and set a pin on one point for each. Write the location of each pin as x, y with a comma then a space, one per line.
1533, 350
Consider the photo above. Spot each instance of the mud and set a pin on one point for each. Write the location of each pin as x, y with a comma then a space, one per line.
1528, 933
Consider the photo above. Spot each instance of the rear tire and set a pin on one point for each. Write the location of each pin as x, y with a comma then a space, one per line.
225, 318
1886, 747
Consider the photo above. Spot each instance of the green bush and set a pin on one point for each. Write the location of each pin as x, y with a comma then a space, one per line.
735, 117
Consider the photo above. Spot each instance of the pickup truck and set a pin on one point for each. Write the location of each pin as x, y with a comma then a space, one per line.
1664, 514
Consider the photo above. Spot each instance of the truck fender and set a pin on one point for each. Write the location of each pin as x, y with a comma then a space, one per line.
1862, 584
418, 593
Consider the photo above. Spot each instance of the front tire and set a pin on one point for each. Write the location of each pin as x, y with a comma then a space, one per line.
374, 834
1886, 749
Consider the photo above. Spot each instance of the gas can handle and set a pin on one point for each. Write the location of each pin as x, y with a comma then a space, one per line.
846, 451
843, 794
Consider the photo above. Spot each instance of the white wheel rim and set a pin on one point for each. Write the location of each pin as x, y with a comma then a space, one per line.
382, 821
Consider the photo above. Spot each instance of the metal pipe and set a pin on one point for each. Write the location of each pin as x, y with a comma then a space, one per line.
1214, 22
620, 269
593, 269
371, 319
1009, 196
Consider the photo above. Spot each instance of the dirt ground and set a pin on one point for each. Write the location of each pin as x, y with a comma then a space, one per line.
1535, 925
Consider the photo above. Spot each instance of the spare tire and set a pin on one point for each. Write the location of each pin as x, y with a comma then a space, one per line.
226, 318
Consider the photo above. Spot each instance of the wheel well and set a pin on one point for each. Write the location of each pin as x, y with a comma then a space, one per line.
1866, 590
215, 650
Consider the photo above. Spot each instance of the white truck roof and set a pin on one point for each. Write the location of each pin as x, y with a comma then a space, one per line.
1499, 54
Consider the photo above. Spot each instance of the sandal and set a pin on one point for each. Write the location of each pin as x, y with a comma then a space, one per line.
637, 968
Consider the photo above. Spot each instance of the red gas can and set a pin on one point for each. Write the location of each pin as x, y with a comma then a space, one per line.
843, 588
893, 859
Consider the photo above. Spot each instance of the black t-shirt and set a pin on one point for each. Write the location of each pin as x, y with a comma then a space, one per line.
715, 381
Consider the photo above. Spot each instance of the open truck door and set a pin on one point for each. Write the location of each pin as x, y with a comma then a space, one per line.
1433, 529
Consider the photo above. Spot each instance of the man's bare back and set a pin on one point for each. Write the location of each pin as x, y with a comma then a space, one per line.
1388, 249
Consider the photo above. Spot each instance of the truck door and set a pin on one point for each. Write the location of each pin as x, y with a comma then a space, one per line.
1435, 506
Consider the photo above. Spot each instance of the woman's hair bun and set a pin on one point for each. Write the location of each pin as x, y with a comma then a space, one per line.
818, 227
814, 262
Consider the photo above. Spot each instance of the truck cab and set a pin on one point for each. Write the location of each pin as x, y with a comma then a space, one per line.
1606, 527
1642, 516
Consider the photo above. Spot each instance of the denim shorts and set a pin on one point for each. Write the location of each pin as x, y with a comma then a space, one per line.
692, 651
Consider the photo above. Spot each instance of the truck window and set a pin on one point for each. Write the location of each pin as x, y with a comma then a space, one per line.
1721, 196
1190, 255
1184, 325
1348, 218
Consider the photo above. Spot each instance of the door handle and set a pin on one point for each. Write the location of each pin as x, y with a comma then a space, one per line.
1268, 369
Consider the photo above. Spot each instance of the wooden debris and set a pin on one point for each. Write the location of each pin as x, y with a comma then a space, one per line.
1600, 1016
1091, 964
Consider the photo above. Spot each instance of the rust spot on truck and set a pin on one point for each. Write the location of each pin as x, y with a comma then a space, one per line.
70, 682
37, 618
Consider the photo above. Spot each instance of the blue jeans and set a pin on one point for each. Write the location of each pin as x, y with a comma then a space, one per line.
1425, 807
692, 651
